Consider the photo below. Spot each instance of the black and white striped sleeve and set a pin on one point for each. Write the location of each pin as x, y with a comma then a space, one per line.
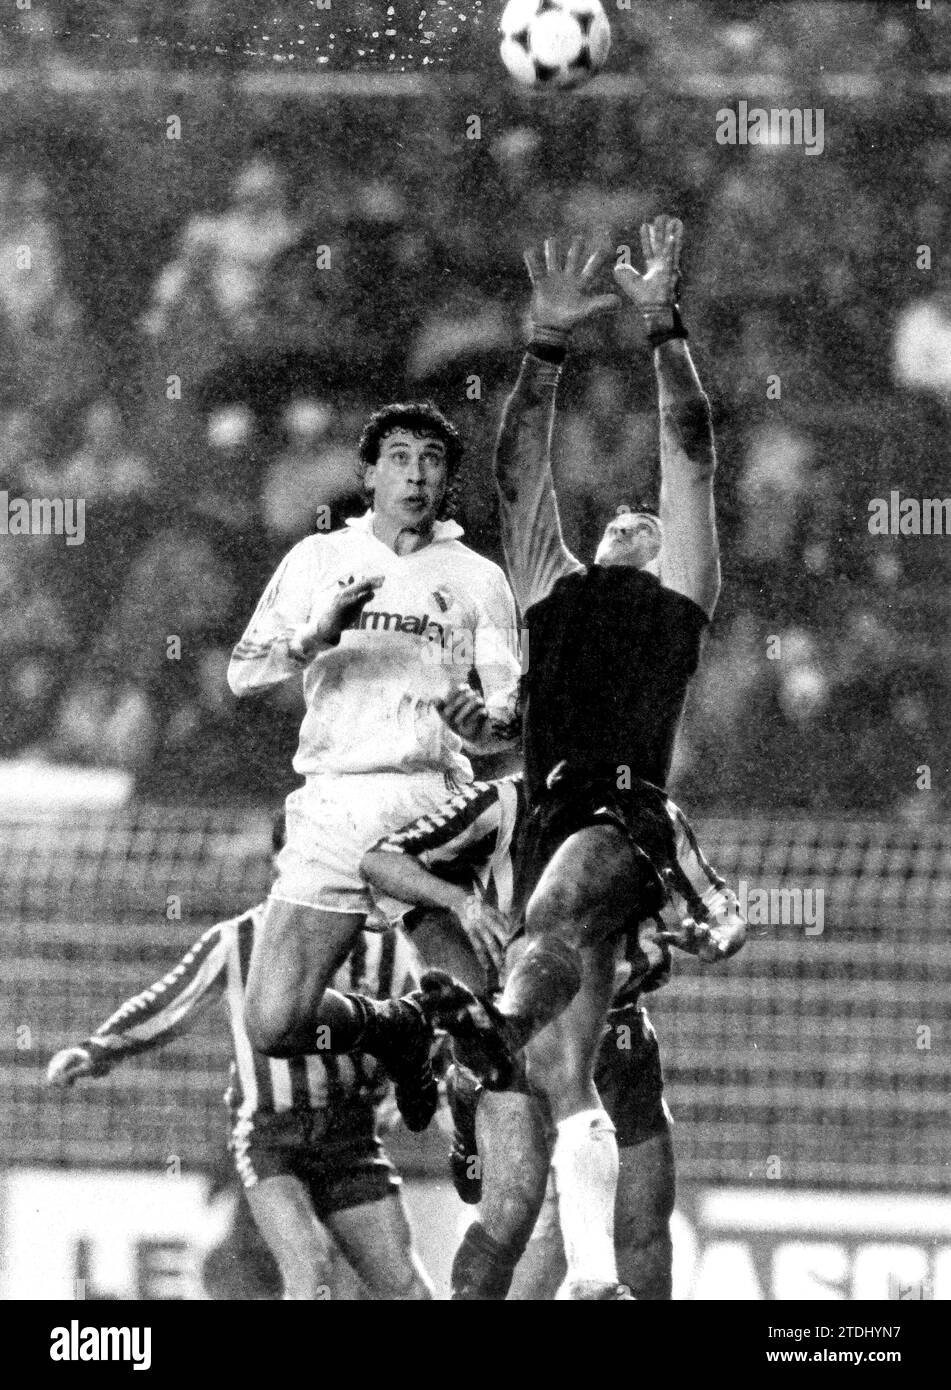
468, 820
165, 1008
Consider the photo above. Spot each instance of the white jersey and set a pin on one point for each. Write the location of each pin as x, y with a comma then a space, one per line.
441, 612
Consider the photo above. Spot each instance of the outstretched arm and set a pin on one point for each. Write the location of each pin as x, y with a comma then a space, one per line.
535, 550
690, 555
151, 1018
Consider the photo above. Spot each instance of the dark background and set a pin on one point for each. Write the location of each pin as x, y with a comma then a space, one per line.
199, 257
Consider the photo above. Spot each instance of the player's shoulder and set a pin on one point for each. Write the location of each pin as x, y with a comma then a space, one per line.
668, 603
479, 566
317, 544
685, 607
323, 547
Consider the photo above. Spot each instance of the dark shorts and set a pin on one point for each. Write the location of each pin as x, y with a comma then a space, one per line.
575, 800
339, 1170
629, 1078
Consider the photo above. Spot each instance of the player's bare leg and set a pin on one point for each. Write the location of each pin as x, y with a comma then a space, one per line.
595, 884
645, 1204
591, 888
541, 1271
378, 1242
443, 945
588, 892
282, 1210
645, 1201
514, 1153
513, 1157
290, 1012
295, 955
560, 1064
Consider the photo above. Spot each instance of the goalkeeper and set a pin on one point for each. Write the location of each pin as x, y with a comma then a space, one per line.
457, 863
614, 645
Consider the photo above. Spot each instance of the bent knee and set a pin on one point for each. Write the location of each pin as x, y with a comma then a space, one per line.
588, 875
510, 1217
550, 1070
268, 1029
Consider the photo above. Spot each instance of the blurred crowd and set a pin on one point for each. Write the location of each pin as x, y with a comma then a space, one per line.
879, 36
193, 329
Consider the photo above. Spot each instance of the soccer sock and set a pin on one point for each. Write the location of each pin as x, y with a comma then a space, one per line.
544, 982
357, 1023
585, 1160
483, 1268
338, 1026
345, 1021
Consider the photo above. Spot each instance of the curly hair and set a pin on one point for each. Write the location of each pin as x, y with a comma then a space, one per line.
419, 418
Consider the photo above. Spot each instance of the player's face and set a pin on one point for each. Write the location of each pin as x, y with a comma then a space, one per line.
632, 539
409, 478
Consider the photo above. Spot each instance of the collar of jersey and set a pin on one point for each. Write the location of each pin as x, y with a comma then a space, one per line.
442, 530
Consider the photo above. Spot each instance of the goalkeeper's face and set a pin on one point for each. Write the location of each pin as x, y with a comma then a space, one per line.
409, 479
632, 539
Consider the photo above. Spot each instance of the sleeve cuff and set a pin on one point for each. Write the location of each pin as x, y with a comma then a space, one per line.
99, 1052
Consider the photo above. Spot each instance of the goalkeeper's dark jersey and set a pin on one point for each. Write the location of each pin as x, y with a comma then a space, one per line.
611, 655
610, 649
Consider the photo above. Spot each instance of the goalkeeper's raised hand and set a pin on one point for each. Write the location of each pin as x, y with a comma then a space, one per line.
654, 294
561, 289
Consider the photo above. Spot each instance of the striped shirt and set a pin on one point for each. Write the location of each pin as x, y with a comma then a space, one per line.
472, 838
216, 967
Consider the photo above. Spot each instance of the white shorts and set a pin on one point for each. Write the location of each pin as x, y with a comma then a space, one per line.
331, 823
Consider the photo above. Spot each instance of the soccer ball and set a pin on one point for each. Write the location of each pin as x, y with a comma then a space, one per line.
554, 43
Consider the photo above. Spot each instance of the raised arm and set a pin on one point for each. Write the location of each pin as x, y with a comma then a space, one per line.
535, 551
690, 554
154, 1016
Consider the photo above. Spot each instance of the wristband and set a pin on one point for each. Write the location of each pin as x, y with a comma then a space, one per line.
552, 356
97, 1053
657, 336
549, 344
